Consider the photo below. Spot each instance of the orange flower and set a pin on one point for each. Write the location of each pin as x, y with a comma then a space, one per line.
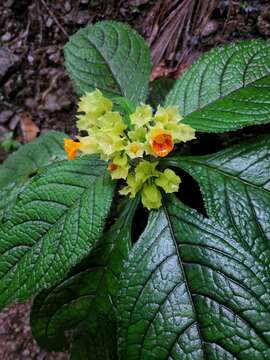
112, 167
161, 142
71, 147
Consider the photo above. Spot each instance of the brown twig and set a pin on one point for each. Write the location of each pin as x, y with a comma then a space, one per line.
52, 85
174, 27
54, 18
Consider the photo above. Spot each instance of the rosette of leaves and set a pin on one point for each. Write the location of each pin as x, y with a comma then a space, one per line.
191, 286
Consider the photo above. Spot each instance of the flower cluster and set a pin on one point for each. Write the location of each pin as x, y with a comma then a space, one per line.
131, 147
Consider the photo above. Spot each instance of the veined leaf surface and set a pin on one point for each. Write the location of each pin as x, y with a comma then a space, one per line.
30, 158
227, 88
198, 288
112, 57
85, 301
55, 223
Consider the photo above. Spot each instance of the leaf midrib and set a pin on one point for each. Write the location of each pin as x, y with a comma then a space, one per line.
105, 59
180, 261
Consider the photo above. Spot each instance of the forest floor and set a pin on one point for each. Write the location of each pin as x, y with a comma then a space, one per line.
36, 94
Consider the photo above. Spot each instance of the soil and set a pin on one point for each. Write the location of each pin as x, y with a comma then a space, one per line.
16, 342
36, 94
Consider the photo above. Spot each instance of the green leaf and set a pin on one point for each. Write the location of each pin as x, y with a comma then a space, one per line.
69, 305
192, 291
196, 288
25, 163
159, 89
109, 56
97, 344
55, 223
8, 196
28, 160
235, 184
85, 300
227, 88
125, 107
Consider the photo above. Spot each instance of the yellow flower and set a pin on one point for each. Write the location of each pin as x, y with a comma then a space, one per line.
145, 170
138, 134
133, 186
135, 150
94, 103
181, 132
142, 115
161, 142
119, 167
151, 196
169, 181
109, 144
88, 145
71, 147
111, 121
167, 115
85, 122
109, 136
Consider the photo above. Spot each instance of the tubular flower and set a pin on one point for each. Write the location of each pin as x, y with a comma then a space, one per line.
161, 142
88, 145
111, 122
91, 107
142, 115
109, 144
167, 115
129, 144
135, 150
133, 186
138, 134
71, 147
181, 132
146, 170
94, 103
119, 167
151, 197
168, 181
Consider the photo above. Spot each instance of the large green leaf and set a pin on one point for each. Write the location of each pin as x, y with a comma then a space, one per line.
30, 158
85, 301
109, 56
235, 184
197, 288
227, 88
56, 221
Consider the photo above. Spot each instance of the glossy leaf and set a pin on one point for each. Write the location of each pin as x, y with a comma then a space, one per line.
109, 56
85, 301
55, 223
235, 184
197, 288
30, 158
227, 88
